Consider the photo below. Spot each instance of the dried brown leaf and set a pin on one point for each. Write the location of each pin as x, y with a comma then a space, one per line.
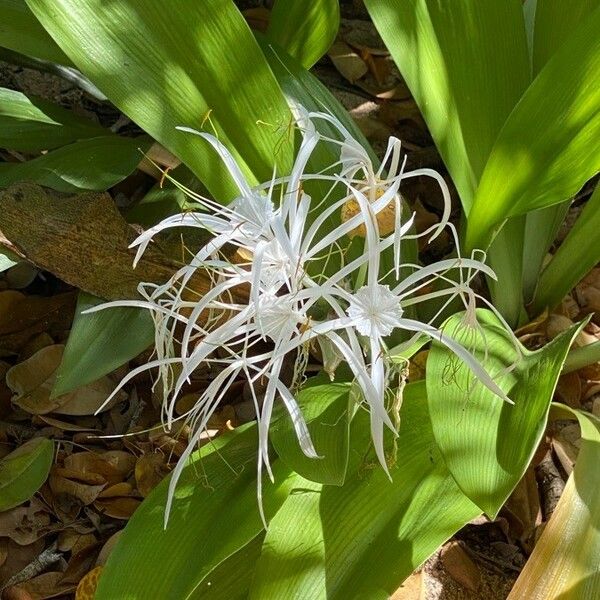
83, 240
33, 379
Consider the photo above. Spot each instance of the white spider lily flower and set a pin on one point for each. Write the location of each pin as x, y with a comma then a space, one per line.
288, 307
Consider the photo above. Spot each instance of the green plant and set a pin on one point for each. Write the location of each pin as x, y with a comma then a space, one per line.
517, 145
338, 526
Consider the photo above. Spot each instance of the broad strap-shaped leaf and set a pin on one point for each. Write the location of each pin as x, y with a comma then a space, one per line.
577, 255
21, 31
327, 411
23, 471
100, 342
466, 64
564, 562
214, 516
486, 442
305, 29
29, 124
193, 64
92, 164
361, 540
555, 22
550, 145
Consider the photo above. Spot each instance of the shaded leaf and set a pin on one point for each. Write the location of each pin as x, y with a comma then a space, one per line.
29, 124
178, 67
100, 342
21, 31
488, 443
23, 471
304, 29
577, 255
555, 22
92, 164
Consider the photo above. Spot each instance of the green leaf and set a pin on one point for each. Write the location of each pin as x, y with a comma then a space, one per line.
214, 516
577, 255
361, 540
325, 407
195, 64
21, 31
100, 342
466, 66
550, 145
305, 29
23, 471
564, 562
29, 124
93, 164
488, 443
541, 228
555, 22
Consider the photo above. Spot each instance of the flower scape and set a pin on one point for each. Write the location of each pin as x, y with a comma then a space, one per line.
293, 275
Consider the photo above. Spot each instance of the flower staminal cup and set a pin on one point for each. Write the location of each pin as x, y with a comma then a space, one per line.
291, 304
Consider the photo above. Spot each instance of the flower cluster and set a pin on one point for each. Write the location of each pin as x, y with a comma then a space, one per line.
276, 294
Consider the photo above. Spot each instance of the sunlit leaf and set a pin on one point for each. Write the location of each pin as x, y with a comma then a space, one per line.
326, 408
550, 145
23, 471
564, 562
466, 65
214, 516
361, 540
305, 29
488, 443
193, 64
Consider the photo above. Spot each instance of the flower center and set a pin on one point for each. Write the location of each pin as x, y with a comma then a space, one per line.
376, 310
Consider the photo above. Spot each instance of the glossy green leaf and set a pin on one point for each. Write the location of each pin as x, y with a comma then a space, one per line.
232, 579
541, 229
305, 29
93, 164
21, 31
214, 516
193, 64
564, 562
577, 255
466, 65
555, 23
326, 408
30, 124
550, 145
23, 471
488, 443
361, 540
100, 342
